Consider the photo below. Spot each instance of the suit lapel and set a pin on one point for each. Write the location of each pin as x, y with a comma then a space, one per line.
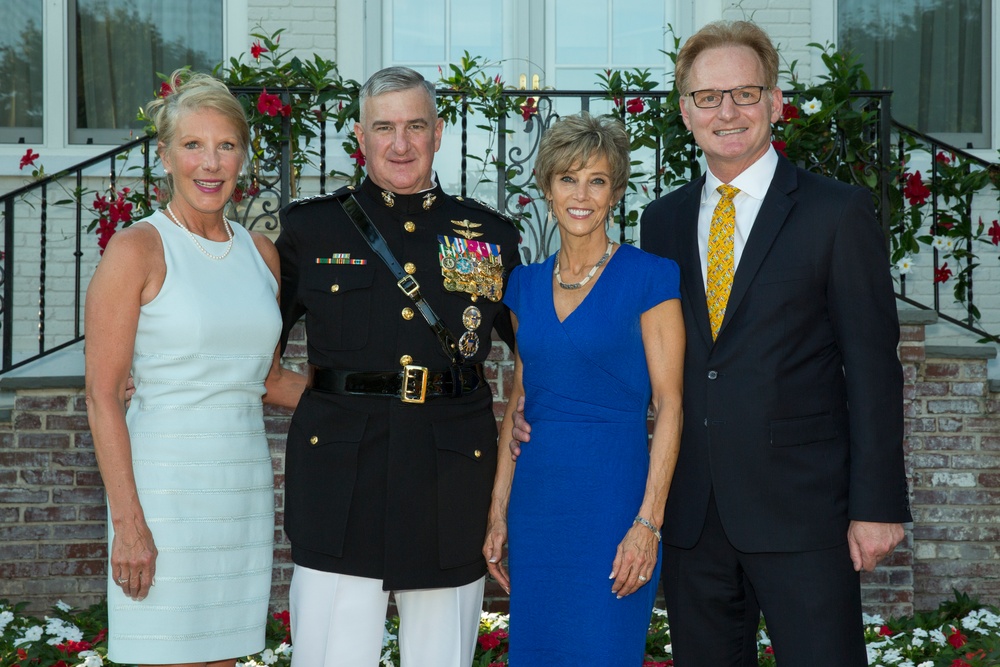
773, 212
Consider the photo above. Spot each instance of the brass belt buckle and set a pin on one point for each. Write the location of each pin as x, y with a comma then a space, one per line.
414, 389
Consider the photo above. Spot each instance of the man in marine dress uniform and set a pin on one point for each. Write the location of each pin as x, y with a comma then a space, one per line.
392, 450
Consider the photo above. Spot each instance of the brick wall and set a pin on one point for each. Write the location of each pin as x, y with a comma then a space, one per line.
52, 513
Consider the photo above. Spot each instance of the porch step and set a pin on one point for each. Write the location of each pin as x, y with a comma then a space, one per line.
945, 340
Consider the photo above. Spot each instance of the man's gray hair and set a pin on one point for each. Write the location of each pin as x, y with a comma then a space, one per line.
392, 80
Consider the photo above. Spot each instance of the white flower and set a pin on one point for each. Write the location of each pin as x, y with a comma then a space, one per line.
62, 606
919, 633
811, 107
268, 656
5, 618
904, 265
91, 659
892, 656
944, 243
283, 649
938, 637
872, 620
33, 634
926, 663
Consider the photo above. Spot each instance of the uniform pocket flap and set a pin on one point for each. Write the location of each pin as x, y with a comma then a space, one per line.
469, 436
802, 430
342, 279
321, 421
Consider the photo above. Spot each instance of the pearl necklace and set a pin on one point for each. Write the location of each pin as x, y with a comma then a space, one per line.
600, 263
229, 233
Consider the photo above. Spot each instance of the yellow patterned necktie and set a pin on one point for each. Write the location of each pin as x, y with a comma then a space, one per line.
720, 257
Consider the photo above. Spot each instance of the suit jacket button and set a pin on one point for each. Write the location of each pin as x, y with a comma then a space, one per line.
478, 453
334, 288
407, 313
409, 226
712, 375
313, 440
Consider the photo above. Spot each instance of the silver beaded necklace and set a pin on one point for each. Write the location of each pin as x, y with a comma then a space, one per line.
590, 274
229, 233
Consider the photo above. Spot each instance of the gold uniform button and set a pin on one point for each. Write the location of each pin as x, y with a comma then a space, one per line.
410, 268
477, 453
405, 360
313, 440
407, 313
334, 288
409, 226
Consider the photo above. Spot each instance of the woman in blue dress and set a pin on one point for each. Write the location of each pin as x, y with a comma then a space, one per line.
600, 338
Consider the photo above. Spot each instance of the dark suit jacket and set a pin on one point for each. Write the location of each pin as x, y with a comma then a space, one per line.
793, 416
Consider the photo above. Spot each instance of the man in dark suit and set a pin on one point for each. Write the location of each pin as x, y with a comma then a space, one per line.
392, 450
790, 479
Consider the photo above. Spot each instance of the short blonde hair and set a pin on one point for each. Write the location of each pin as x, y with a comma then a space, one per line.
194, 91
573, 141
727, 33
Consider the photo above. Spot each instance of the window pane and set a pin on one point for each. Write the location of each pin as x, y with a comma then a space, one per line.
933, 54
581, 30
639, 26
120, 45
418, 31
21, 72
476, 28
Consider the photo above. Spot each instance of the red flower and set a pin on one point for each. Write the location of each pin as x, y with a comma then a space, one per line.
768, 650
74, 647
29, 157
942, 274
995, 233
528, 108
884, 631
253, 190
165, 89
120, 211
780, 146
942, 158
958, 662
100, 636
237, 195
789, 113
915, 190
22, 654
634, 105
256, 50
100, 204
268, 104
956, 638
524, 200
359, 157
488, 641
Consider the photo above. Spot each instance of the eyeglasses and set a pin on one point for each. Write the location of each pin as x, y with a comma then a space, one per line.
743, 96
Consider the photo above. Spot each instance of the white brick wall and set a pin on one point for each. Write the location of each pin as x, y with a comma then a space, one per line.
788, 22
310, 25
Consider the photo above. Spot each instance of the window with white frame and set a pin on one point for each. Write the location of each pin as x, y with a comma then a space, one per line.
21, 66
935, 55
117, 47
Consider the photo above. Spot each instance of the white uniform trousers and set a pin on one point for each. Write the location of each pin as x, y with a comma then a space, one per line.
338, 620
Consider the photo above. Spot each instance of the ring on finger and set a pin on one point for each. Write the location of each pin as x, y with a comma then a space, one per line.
122, 581
642, 577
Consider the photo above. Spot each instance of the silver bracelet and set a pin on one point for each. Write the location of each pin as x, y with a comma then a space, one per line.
648, 524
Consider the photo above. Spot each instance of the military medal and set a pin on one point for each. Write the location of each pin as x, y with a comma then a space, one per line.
341, 258
429, 201
464, 228
473, 267
389, 198
468, 344
472, 318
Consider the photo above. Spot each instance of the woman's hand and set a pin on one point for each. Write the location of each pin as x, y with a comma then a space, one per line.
634, 561
493, 550
133, 559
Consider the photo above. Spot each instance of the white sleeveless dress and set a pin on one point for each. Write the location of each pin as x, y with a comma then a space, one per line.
202, 467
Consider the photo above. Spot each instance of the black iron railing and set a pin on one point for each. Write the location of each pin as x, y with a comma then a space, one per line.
33, 323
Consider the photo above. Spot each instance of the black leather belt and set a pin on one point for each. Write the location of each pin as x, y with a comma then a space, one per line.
411, 384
